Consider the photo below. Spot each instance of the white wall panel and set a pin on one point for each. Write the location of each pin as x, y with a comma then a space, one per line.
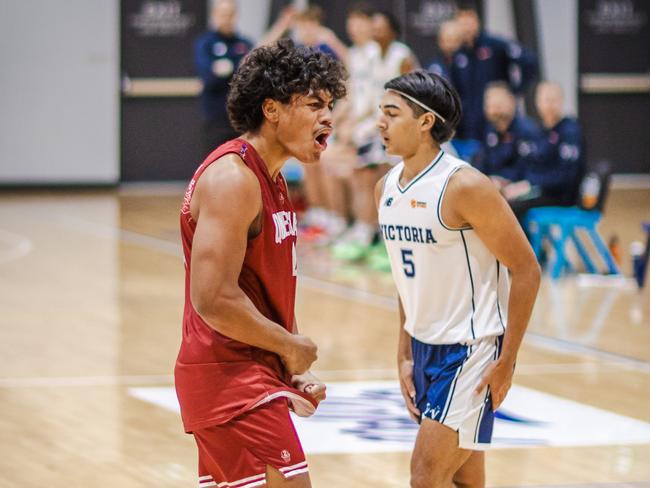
59, 91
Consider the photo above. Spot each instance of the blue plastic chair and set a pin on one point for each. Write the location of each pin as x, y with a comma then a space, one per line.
560, 225
466, 148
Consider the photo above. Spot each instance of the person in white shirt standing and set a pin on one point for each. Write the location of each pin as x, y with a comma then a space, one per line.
385, 58
356, 127
467, 281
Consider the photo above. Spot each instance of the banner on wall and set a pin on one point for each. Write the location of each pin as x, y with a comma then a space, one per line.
160, 115
157, 37
614, 66
421, 21
614, 36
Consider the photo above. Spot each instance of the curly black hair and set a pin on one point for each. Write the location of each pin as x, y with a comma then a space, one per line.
279, 71
436, 92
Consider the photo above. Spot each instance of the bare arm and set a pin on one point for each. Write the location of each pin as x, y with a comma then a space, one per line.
279, 27
404, 352
405, 367
408, 64
226, 202
472, 199
327, 36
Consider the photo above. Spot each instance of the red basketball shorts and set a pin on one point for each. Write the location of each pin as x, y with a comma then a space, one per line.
235, 454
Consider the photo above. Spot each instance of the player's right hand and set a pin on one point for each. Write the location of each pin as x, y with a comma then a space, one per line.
407, 387
300, 354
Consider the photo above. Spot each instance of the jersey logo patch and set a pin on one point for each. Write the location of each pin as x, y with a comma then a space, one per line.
389, 201
418, 204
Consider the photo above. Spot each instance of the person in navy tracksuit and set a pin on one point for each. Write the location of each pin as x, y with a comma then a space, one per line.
533, 168
449, 41
217, 53
511, 142
483, 59
555, 174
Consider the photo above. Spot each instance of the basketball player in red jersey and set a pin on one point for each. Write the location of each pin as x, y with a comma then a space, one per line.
242, 364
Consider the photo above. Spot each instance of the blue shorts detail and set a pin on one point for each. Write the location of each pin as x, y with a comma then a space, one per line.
445, 377
435, 372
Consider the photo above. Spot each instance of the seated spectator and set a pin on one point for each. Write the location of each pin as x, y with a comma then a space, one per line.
450, 39
559, 168
511, 141
553, 177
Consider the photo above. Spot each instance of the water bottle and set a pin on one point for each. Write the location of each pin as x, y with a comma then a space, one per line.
637, 252
615, 249
589, 190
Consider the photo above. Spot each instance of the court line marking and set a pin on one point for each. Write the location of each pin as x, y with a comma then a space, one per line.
109, 380
366, 297
625, 484
21, 246
325, 375
532, 338
108, 232
522, 370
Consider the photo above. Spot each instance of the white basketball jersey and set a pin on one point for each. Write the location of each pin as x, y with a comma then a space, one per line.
362, 66
452, 288
363, 62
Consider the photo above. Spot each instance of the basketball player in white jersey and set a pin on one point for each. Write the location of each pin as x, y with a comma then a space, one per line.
451, 239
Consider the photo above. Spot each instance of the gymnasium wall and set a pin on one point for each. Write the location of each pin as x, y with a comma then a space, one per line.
557, 22
66, 118
59, 92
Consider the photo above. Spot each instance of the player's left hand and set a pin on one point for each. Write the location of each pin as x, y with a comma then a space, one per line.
309, 384
498, 376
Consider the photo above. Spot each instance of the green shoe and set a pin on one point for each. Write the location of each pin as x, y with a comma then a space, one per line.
377, 258
349, 251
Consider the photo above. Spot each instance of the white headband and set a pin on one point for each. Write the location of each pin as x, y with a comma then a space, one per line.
419, 103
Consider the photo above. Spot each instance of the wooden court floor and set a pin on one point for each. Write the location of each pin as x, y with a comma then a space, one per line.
91, 288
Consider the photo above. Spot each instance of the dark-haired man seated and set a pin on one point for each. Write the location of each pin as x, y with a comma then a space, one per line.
511, 144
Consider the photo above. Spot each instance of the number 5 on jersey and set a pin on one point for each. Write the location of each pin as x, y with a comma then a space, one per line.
409, 265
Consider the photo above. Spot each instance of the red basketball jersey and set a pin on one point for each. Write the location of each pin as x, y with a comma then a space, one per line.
218, 378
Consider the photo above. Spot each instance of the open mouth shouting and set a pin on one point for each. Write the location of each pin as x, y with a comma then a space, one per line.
320, 138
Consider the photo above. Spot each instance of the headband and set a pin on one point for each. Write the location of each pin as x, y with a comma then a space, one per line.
418, 103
